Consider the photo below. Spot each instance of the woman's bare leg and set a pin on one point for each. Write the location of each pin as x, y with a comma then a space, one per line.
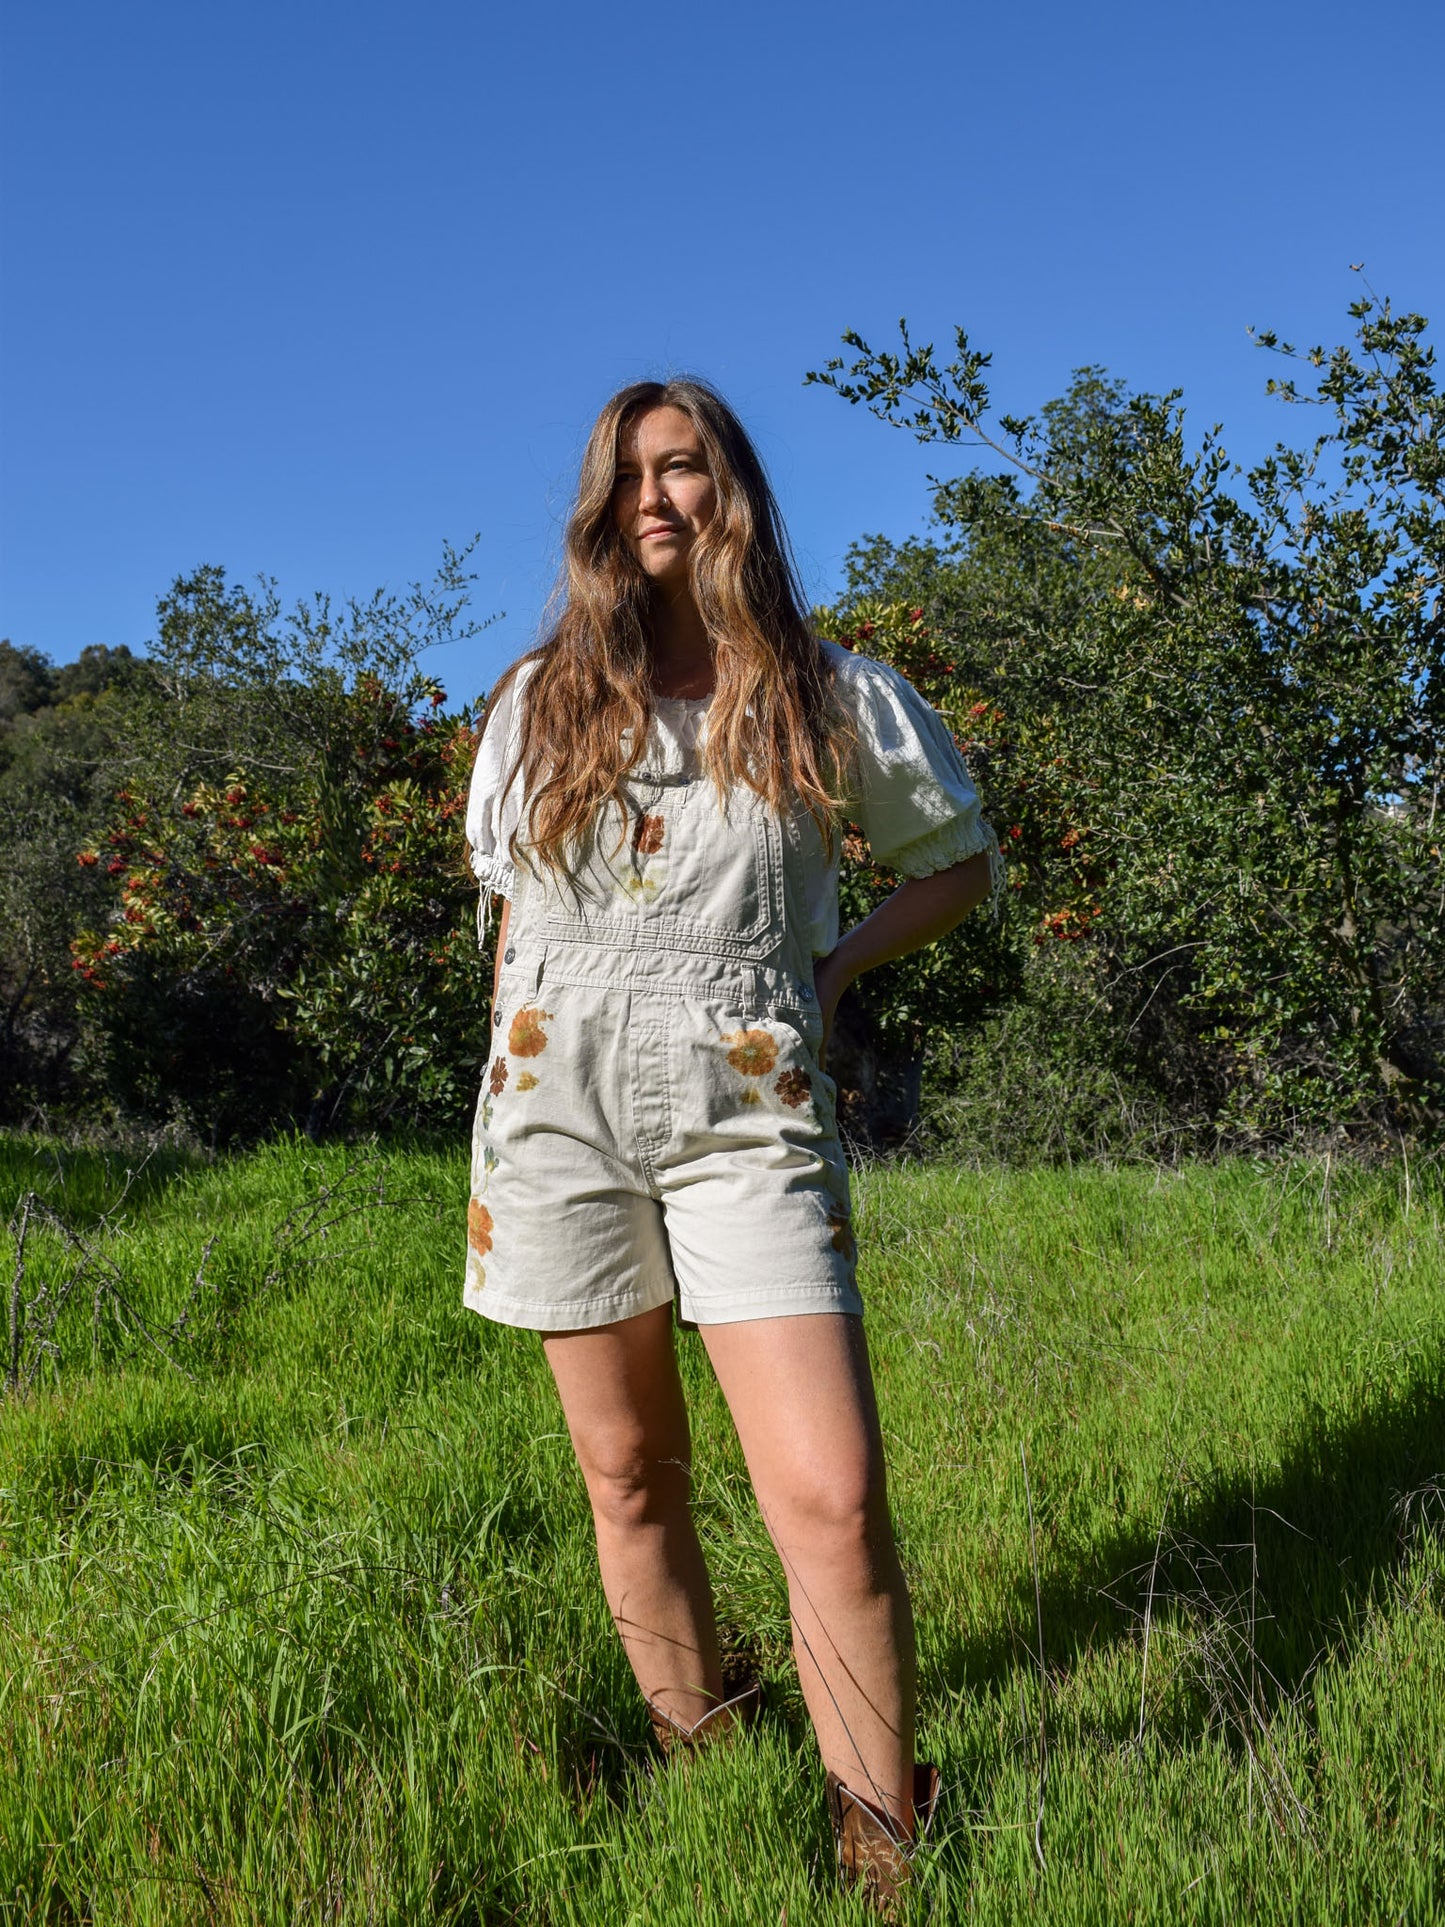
623, 1402
801, 1395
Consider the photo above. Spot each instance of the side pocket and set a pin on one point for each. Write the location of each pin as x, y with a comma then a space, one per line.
519, 984
502, 1002
805, 1019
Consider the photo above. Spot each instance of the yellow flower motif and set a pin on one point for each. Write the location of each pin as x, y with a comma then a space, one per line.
637, 889
751, 1094
753, 1052
526, 1082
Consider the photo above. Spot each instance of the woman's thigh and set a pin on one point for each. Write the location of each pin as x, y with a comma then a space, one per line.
800, 1390
623, 1402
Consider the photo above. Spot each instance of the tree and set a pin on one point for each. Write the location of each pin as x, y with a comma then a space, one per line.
63, 741
1225, 702
290, 929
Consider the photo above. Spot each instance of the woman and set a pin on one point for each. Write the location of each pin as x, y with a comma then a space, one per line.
656, 802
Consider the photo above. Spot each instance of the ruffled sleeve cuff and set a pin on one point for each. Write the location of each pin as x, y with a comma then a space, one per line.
494, 806
915, 800
950, 843
497, 874
496, 877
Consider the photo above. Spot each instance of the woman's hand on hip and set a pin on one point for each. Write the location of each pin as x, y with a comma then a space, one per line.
831, 977
919, 912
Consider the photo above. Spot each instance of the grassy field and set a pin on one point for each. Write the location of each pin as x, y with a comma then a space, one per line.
298, 1616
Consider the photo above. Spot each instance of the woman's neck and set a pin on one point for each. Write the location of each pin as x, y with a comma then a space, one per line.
682, 655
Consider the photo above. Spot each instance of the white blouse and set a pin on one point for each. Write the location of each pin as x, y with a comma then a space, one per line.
913, 797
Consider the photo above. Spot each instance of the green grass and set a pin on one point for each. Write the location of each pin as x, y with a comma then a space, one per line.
315, 1633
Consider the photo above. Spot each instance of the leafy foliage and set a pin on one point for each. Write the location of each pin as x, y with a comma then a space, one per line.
1223, 704
261, 904
63, 747
299, 863
1206, 709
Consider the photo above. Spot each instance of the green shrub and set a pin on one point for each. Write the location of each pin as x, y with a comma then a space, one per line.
1207, 711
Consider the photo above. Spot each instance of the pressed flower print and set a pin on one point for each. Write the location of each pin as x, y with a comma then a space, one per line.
526, 1082
527, 1038
795, 1087
753, 1052
479, 1227
843, 1239
637, 889
647, 837
497, 1082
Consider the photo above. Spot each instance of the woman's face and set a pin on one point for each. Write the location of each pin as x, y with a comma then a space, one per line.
663, 496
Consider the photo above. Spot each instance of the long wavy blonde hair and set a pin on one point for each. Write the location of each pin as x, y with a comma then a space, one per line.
775, 723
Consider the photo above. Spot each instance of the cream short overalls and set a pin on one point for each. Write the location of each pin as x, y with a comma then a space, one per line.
654, 1119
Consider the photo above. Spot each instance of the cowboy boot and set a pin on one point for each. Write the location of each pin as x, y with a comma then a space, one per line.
873, 1850
720, 1723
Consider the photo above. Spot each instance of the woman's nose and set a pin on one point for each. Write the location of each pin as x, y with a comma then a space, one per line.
652, 494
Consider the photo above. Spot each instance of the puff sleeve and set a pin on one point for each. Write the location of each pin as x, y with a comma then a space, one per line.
914, 799
494, 809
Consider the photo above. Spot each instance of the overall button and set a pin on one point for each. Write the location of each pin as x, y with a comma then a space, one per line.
510, 956
805, 993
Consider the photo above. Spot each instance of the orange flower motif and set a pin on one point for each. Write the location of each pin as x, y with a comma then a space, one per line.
795, 1087
647, 837
498, 1079
479, 1228
527, 1038
526, 1082
753, 1052
843, 1239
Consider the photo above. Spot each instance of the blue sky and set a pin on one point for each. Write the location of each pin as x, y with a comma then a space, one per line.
305, 288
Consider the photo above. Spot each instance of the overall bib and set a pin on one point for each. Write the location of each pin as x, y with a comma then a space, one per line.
654, 1120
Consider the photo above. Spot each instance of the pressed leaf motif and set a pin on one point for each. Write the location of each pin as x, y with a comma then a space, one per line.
647, 837
479, 1227
842, 1229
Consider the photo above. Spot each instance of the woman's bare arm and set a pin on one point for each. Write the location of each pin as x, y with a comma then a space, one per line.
918, 913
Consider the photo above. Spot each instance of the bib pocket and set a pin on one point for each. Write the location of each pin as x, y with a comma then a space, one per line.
686, 875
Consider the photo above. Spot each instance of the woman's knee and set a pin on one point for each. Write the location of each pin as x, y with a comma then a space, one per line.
839, 1513
632, 1487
